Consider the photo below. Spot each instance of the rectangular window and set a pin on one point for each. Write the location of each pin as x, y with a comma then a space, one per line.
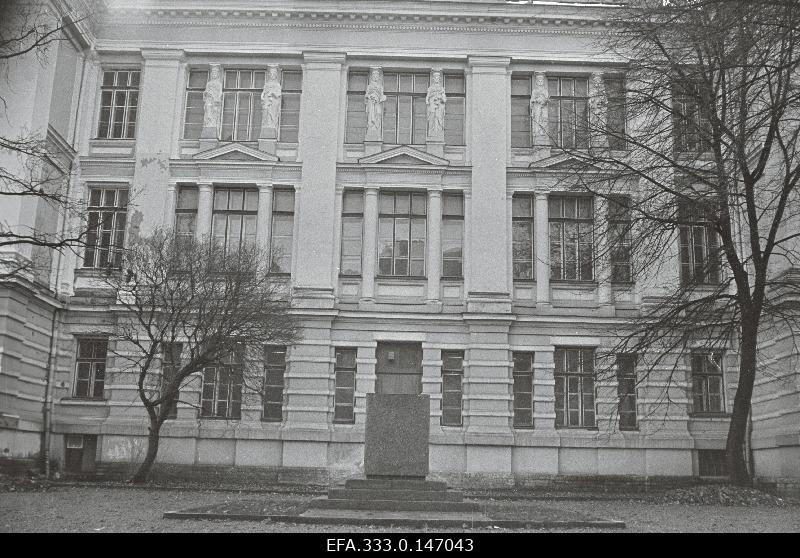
234, 217
523, 390
344, 399
119, 100
574, 389
274, 371
707, 384
401, 234
90, 368
699, 244
568, 114
452, 376
105, 238
195, 106
405, 117
241, 105
619, 230
186, 212
282, 231
626, 391
616, 115
690, 118
522, 206
520, 111
571, 238
352, 232
452, 235
170, 366
222, 389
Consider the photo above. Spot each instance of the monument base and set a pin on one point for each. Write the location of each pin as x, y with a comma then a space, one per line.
397, 432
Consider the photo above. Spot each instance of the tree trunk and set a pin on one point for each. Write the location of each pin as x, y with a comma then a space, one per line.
735, 449
152, 450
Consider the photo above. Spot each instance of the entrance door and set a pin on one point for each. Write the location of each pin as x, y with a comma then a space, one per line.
399, 368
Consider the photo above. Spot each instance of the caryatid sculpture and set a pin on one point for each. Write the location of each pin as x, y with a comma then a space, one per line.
271, 103
212, 102
598, 112
374, 99
436, 101
540, 98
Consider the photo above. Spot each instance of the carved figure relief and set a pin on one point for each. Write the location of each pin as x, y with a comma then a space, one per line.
540, 98
598, 111
271, 102
212, 98
374, 99
436, 101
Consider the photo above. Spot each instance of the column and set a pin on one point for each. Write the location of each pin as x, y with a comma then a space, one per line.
603, 256
370, 250
264, 219
434, 256
319, 143
205, 194
169, 206
542, 247
488, 270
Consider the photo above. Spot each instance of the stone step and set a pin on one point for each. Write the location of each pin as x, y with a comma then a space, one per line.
395, 484
405, 495
392, 505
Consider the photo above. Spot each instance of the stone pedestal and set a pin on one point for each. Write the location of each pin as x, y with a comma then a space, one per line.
372, 147
397, 432
268, 145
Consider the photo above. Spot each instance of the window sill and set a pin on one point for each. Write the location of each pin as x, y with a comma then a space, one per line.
112, 141
271, 421
623, 284
574, 284
227, 419
524, 281
349, 276
452, 279
586, 428
400, 278
96, 272
704, 415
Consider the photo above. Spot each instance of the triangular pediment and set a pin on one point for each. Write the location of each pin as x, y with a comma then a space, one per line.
234, 152
562, 161
404, 155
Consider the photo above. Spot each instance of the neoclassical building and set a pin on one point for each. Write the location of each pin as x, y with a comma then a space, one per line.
404, 163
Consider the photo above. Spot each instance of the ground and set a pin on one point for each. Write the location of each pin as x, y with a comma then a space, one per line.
88, 508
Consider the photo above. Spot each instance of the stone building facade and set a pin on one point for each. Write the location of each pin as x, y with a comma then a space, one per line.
393, 156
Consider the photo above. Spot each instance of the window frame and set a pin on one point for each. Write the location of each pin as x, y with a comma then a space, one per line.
129, 90
627, 374
169, 367
452, 218
704, 376
622, 218
116, 240
274, 368
337, 389
562, 366
94, 362
411, 217
528, 220
247, 193
186, 211
352, 215
555, 106
452, 373
691, 223
234, 365
528, 140
689, 118
272, 236
581, 222
517, 375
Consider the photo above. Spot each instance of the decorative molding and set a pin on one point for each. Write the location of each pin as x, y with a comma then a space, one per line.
404, 152
234, 148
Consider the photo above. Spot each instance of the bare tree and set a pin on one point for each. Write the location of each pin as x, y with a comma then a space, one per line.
705, 173
187, 306
33, 167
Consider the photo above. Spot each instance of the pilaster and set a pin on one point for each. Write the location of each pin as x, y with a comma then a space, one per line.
434, 255
370, 244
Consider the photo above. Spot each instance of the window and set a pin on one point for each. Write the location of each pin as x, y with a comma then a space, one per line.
90, 368
195, 106
690, 118
282, 231
574, 389
405, 117
707, 383
699, 246
241, 105
105, 237
345, 386
616, 115
170, 366
401, 234
186, 212
520, 111
568, 115
522, 235
619, 230
626, 391
274, 371
234, 217
523, 390
119, 98
452, 376
352, 232
222, 389
452, 235
571, 238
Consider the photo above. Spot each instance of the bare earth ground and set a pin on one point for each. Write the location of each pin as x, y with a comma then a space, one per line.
104, 509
